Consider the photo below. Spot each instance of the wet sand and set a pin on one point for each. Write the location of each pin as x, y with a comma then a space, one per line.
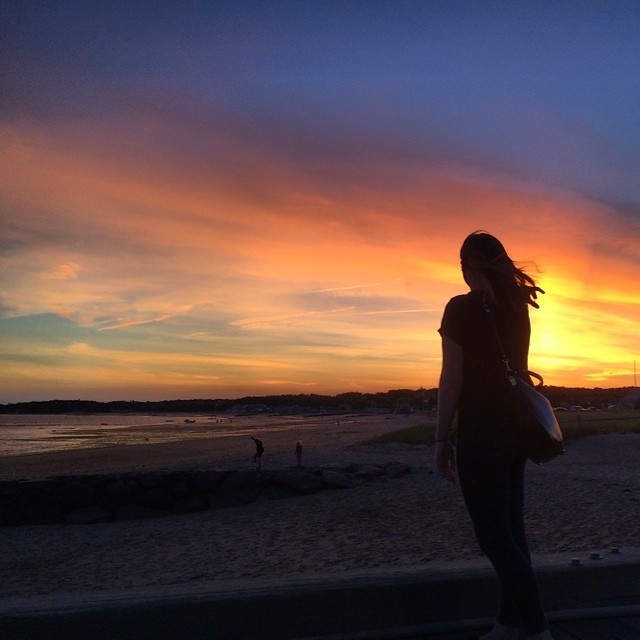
222, 445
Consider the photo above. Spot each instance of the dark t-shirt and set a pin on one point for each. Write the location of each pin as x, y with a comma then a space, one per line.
485, 414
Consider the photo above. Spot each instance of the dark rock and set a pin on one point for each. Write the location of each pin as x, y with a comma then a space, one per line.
137, 512
88, 515
220, 500
244, 486
156, 498
368, 471
298, 481
151, 480
206, 481
9, 490
43, 512
175, 478
190, 504
274, 493
350, 468
133, 484
89, 499
79, 495
337, 479
11, 515
179, 490
116, 490
48, 492
397, 470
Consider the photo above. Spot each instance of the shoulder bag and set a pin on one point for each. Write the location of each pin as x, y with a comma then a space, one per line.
539, 431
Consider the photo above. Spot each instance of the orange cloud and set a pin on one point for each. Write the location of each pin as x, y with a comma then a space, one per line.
66, 271
342, 287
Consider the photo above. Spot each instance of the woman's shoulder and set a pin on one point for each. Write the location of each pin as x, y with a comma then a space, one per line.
472, 299
459, 313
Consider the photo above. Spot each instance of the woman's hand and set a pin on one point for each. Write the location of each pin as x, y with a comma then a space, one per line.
446, 460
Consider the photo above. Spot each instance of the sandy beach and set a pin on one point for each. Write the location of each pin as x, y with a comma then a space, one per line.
586, 500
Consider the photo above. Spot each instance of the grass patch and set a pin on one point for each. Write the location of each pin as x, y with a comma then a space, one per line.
423, 433
574, 425
582, 424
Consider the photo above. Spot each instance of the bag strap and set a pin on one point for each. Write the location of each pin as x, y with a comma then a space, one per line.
511, 374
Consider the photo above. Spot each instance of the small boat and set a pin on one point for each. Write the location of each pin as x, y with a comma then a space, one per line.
189, 421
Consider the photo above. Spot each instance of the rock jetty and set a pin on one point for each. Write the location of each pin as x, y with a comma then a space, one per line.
132, 496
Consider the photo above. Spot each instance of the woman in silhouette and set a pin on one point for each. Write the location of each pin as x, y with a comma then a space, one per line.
487, 459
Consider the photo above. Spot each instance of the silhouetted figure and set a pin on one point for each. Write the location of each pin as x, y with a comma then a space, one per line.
488, 458
257, 458
298, 452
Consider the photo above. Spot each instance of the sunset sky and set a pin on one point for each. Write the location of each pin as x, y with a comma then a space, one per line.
213, 199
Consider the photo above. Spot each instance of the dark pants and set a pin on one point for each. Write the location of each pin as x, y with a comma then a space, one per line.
493, 489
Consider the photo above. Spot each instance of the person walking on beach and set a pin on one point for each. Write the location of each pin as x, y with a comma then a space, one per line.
257, 458
487, 460
298, 452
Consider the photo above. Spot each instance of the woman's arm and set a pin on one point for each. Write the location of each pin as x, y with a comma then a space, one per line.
448, 396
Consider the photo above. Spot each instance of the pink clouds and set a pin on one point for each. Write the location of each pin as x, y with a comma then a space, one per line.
217, 273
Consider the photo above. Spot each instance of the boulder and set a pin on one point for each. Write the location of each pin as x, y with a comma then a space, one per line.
116, 490
156, 498
151, 480
243, 486
335, 466
220, 500
206, 481
78, 495
9, 490
137, 512
366, 471
88, 515
10, 514
190, 504
42, 512
299, 481
275, 493
179, 489
397, 470
337, 479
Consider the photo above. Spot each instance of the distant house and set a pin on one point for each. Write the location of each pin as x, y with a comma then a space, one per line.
631, 400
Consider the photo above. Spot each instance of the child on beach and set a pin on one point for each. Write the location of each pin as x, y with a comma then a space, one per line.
298, 452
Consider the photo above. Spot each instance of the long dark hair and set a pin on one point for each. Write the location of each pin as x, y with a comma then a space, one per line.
508, 284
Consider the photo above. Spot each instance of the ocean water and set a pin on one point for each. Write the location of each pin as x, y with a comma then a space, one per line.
21, 434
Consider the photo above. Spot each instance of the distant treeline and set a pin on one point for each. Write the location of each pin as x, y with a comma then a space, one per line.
397, 400
598, 398
353, 401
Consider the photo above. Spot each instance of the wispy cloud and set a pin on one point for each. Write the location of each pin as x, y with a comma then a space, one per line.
135, 323
346, 288
66, 271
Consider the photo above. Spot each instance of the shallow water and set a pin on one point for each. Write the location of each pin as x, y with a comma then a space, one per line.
23, 434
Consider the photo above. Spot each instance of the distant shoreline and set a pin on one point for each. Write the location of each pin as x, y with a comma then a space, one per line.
392, 401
